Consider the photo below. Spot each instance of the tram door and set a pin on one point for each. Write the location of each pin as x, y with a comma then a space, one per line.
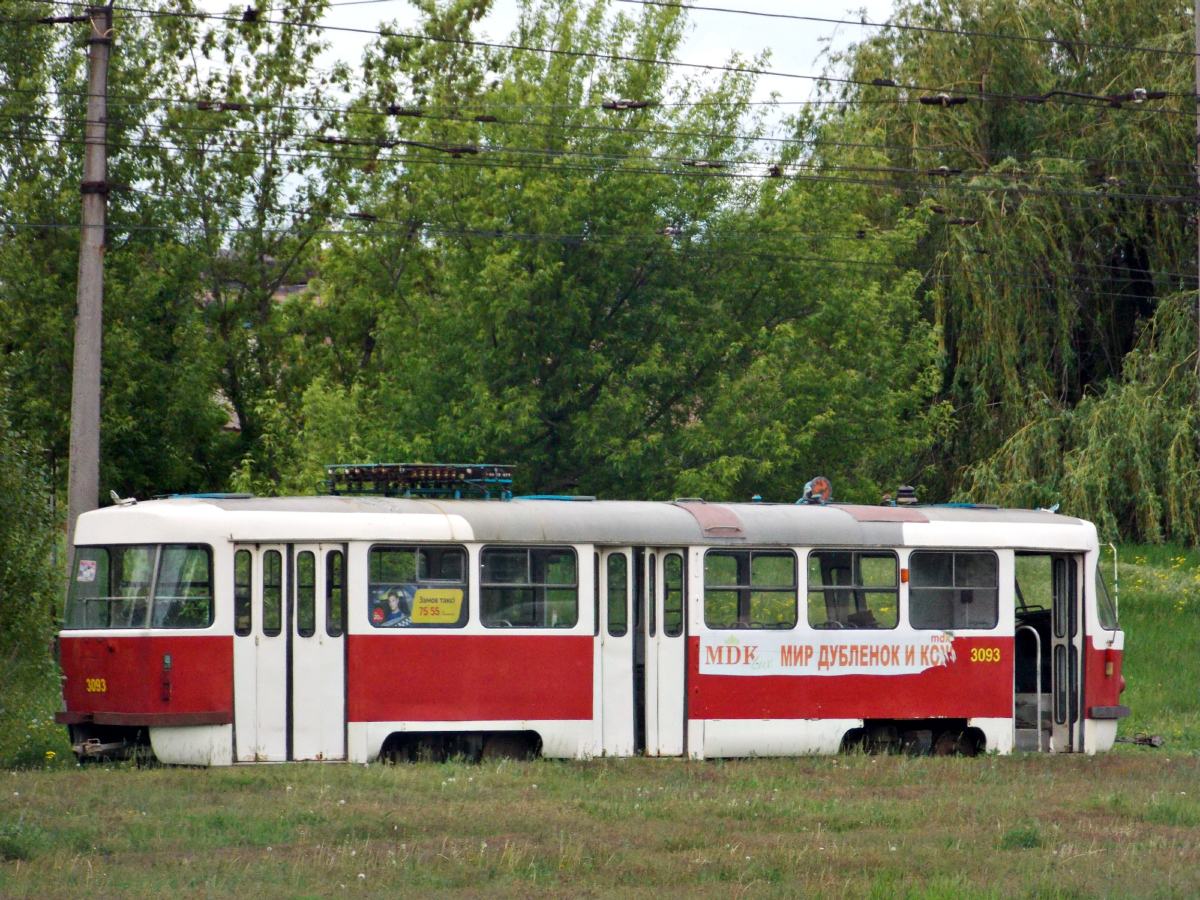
1066, 654
317, 691
666, 653
260, 652
616, 653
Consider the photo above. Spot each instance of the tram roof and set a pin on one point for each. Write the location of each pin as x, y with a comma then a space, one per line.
621, 522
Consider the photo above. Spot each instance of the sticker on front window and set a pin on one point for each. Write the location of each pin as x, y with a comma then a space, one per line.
87, 570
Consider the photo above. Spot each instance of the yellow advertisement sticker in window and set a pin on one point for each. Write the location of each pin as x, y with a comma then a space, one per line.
437, 606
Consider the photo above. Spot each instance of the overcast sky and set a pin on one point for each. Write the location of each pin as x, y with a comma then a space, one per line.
795, 46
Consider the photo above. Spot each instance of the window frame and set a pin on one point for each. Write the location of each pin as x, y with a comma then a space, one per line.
539, 588
305, 594
954, 588
248, 599
332, 584
157, 556
464, 616
277, 630
745, 592
852, 588
108, 600
624, 598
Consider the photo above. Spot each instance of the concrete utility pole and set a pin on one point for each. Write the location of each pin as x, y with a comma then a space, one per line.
83, 479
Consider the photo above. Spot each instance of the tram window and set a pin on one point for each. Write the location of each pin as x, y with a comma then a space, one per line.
1105, 607
183, 591
672, 595
853, 589
652, 595
528, 587
596, 594
417, 587
306, 593
335, 593
1034, 583
749, 589
242, 571
272, 594
111, 587
950, 590
618, 594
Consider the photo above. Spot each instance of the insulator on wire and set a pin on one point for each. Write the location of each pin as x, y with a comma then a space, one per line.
394, 110
624, 105
703, 164
943, 100
883, 82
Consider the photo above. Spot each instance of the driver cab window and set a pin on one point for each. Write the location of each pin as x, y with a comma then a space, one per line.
853, 589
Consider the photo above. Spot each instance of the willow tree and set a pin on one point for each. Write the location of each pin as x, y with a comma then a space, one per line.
1059, 166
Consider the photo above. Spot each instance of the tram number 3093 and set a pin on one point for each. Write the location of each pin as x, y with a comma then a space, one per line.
96, 686
985, 654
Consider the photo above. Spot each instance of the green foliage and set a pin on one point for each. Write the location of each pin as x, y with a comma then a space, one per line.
30, 597
1068, 262
1124, 457
547, 314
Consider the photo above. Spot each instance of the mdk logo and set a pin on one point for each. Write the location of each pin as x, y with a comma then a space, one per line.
731, 653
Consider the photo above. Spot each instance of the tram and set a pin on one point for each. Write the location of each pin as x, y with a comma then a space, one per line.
230, 629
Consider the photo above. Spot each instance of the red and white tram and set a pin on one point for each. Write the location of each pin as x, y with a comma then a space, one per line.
235, 630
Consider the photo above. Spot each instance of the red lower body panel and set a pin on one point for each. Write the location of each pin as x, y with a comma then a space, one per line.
1100, 688
465, 678
123, 680
961, 689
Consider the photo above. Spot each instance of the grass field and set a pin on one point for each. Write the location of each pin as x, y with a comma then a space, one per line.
1122, 825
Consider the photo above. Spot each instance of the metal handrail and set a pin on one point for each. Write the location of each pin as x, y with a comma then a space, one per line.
1037, 638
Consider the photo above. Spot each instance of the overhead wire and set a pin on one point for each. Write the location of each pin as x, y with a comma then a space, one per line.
618, 129
410, 159
385, 143
930, 29
826, 78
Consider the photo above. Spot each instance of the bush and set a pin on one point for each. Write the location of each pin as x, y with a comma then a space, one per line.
29, 597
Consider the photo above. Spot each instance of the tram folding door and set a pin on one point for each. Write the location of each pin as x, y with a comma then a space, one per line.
1066, 660
318, 684
666, 653
289, 656
616, 653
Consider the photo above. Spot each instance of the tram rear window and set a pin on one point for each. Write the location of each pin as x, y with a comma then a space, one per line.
141, 586
413, 587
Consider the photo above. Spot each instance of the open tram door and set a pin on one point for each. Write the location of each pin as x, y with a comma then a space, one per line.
663, 634
289, 652
1048, 652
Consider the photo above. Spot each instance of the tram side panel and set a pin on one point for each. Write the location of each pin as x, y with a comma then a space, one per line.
488, 674
147, 679
801, 688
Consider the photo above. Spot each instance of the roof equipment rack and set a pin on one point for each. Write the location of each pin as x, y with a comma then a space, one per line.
419, 480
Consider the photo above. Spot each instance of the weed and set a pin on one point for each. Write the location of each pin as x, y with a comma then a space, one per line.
1022, 837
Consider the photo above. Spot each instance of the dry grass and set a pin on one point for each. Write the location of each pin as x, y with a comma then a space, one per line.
1121, 825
